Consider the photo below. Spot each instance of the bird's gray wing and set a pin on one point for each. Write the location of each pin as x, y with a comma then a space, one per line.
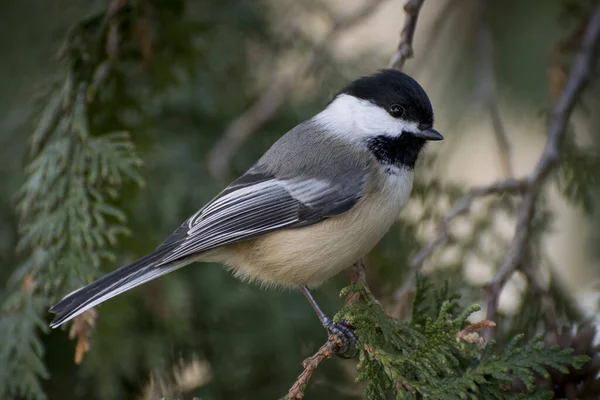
260, 202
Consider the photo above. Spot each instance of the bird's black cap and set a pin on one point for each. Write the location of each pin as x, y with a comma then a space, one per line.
389, 87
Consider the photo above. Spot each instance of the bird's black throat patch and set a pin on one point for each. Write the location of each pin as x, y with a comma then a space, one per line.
401, 151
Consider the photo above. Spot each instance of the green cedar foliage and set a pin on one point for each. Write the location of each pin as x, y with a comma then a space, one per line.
68, 223
21, 350
80, 162
425, 357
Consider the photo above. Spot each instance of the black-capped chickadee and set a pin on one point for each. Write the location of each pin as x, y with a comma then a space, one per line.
315, 203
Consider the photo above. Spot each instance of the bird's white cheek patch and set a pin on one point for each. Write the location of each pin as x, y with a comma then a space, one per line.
355, 118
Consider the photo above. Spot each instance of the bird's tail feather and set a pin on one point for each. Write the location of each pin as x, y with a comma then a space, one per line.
112, 284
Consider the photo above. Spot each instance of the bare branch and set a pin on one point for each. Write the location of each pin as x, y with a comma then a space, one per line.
359, 276
403, 295
529, 187
310, 364
333, 342
277, 93
579, 76
405, 47
328, 349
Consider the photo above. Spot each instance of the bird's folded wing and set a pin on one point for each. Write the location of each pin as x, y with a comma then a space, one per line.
258, 203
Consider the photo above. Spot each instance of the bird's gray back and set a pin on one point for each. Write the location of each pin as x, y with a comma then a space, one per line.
310, 150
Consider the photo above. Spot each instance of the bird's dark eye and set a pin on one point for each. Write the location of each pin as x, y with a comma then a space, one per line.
396, 110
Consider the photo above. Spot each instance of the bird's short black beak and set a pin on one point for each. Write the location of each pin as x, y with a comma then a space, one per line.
429, 134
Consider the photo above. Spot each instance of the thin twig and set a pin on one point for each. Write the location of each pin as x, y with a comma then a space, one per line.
333, 343
528, 186
579, 76
487, 88
405, 47
403, 295
359, 276
310, 364
277, 93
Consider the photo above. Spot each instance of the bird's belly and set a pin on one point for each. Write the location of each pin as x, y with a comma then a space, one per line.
310, 255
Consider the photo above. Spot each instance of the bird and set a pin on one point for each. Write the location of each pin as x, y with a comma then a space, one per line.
318, 200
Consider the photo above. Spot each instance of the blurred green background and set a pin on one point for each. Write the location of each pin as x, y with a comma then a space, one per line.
180, 72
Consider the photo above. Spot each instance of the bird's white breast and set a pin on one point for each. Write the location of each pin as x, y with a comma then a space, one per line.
313, 254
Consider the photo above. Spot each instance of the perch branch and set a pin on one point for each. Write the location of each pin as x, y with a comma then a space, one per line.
277, 93
405, 47
310, 364
359, 276
579, 76
328, 349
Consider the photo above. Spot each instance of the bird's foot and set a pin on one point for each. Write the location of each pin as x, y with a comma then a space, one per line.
346, 343
347, 339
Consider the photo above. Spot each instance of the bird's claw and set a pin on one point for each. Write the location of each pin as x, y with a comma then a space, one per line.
347, 339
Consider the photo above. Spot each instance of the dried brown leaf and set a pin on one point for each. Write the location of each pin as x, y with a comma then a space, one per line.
470, 333
81, 330
28, 283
